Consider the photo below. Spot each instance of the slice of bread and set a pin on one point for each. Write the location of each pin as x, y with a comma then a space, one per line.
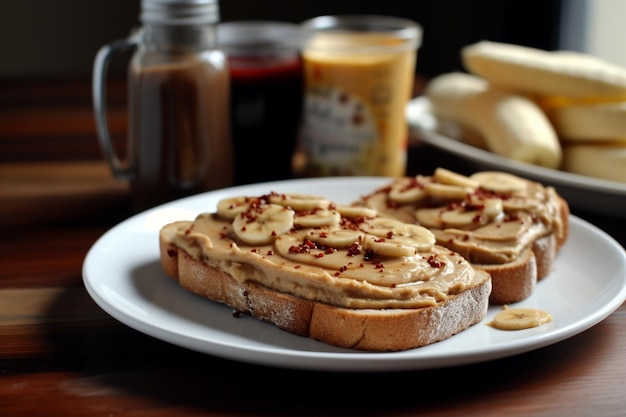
508, 226
329, 275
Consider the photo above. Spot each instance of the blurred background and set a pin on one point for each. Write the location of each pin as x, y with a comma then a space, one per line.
47, 39
48, 142
47, 50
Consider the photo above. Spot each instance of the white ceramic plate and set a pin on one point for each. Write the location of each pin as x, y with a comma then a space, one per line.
123, 275
590, 194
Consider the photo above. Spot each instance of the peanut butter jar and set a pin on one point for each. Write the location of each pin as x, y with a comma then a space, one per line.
358, 78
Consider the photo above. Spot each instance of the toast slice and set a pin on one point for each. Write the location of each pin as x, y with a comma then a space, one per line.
509, 226
321, 270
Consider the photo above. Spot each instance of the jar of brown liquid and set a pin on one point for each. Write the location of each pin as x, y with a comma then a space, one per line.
179, 130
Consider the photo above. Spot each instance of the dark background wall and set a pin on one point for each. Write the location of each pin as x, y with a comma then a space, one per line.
448, 24
43, 39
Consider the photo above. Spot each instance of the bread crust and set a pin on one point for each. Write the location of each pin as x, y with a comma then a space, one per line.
361, 329
513, 281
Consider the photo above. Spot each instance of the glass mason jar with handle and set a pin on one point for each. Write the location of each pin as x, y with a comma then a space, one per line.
179, 140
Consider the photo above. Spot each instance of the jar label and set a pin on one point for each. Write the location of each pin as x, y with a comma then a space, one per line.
354, 121
339, 132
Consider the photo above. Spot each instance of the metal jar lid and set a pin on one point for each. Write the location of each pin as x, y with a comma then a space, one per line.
179, 12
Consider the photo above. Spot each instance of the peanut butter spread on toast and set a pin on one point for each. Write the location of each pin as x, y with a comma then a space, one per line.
489, 217
340, 255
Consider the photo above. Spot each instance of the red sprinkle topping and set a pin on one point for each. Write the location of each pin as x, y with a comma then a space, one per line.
435, 262
512, 217
355, 249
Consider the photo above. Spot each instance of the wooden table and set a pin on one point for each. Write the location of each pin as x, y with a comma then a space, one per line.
60, 354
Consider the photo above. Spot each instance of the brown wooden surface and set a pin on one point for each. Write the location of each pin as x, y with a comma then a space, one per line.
60, 354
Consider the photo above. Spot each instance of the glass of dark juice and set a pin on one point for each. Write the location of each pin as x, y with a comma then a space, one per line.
266, 96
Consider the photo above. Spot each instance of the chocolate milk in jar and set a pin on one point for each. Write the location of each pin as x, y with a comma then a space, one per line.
179, 128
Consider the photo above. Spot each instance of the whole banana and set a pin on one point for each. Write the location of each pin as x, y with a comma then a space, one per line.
512, 125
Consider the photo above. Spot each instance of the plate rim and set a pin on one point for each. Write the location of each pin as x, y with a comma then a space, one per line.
355, 361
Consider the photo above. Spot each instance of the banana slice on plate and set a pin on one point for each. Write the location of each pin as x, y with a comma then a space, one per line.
262, 225
520, 318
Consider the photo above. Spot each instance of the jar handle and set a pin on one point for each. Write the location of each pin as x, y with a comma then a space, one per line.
100, 67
